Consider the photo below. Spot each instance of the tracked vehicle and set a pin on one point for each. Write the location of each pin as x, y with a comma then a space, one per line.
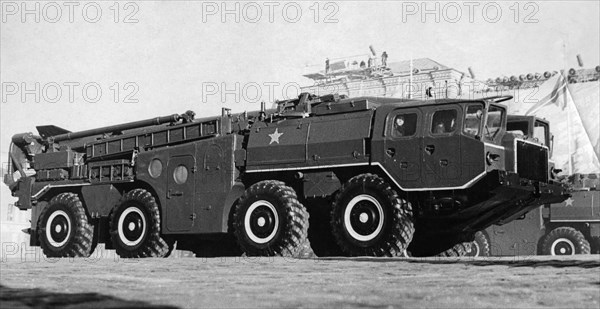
377, 175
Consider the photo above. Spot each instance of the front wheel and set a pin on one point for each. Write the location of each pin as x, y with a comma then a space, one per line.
269, 220
64, 230
565, 241
369, 219
480, 246
135, 227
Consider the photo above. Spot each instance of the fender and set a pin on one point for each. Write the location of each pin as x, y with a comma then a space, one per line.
100, 199
234, 194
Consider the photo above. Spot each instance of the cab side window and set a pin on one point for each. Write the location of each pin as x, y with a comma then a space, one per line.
473, 120
494, 122
404, 125
443, 121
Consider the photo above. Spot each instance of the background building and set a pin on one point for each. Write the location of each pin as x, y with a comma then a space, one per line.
421, 79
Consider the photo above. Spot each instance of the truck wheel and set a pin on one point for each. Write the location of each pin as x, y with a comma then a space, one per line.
460, 249
135, 226
595, 245
480, 246
369, 219
64, 230
565, 240
269, 220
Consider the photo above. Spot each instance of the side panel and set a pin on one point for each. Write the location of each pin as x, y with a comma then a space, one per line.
215, 182
441, 150
180, 215
473, 157
402, 146
280, 143
583, 206
310, 142
338, 140
214, 177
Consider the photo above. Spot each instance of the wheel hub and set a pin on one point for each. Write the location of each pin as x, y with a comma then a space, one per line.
563, 246
132, 226
364, 217
58, 228
261, 222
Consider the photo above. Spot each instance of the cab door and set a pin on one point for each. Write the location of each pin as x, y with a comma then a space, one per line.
440, 150
180, 193
403, 146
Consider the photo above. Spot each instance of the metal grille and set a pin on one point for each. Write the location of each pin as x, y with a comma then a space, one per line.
532, 161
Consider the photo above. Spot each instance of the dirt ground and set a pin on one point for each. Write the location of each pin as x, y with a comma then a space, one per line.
33, 281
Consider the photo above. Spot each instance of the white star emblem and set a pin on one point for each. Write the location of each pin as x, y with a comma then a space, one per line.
275, 136
569, 202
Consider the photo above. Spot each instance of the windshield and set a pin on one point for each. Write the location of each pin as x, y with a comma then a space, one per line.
518, 127
540, 133
494, 122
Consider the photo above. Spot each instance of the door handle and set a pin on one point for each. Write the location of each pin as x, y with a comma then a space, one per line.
391, 151
170, 193
443, 162
429, 149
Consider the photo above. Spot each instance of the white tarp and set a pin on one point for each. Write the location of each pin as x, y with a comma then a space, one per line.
574, 114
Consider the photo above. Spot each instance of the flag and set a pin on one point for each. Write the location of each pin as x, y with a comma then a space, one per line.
573, 124
557, 96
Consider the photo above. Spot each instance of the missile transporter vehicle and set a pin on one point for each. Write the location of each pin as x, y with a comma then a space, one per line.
377, 175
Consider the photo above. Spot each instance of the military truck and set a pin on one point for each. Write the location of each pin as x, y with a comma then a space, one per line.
570, 227
567, 228
379, 174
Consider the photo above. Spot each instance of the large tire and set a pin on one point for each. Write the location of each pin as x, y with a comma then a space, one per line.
135, 227
64, 230
480, 246
565, 240
369, 219
269, 220
458, 250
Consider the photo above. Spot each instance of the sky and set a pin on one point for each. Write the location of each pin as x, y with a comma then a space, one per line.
158, 58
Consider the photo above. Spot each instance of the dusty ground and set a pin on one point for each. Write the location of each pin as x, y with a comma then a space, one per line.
278, 282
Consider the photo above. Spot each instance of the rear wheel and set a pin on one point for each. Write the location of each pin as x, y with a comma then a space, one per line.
460, 249
369, 219
64, 230
135, 227
269, 220
565, 240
